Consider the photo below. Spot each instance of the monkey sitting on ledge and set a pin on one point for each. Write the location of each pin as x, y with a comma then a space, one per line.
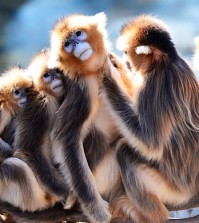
158, 156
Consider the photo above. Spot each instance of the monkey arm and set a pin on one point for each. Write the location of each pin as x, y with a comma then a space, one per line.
68, 132
128, 121
32, 127
122, 107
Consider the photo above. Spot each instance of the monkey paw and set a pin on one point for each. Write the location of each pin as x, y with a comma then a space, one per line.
69, 202
98, 212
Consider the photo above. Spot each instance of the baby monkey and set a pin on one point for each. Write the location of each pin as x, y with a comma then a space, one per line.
14, 85
34, 123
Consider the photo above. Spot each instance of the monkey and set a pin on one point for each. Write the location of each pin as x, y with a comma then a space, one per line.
32, 141
159, 152
12, 99
83, 130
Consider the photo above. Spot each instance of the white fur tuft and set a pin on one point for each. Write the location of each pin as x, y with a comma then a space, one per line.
143, 50
101, 18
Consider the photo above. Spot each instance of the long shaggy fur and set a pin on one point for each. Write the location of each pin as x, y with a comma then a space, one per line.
32, 140
160, 122
82, 124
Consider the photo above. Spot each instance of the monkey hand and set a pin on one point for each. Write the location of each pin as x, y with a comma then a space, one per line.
98, 212
105, 69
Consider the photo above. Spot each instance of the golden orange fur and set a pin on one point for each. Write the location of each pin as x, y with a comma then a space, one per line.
91, 114
117, 63
38, 68
133, 35
97, 37
10, 80
160, 123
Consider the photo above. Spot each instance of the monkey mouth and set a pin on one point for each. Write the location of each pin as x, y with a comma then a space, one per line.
86, 54
58, 88
22, 104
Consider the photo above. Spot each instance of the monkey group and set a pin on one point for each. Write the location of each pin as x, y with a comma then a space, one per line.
82, 128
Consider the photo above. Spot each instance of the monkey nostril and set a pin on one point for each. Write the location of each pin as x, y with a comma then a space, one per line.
75, 42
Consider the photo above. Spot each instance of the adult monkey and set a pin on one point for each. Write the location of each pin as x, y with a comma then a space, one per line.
79, 48
160, 122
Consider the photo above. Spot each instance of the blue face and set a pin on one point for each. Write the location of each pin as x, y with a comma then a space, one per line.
20, 95
54, 81
76, 37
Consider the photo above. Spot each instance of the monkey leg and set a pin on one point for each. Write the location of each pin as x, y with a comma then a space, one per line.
140, 186
121, 207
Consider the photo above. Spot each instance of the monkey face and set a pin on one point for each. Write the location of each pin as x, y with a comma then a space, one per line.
78, 44
50, 81
14, 87
20, 96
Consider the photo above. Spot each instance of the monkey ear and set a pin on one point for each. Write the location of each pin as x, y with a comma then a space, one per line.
143, 50
101, 19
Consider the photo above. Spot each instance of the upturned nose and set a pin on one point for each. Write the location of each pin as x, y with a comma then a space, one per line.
75, 42
55, 77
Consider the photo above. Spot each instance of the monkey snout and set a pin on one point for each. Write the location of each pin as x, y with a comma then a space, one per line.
22, 102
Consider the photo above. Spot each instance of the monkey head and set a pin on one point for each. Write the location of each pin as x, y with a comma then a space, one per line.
146, 42
79, 44
14, 87
47, 80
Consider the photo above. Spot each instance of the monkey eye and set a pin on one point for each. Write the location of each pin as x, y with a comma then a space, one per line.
125, 52
68, 47
67, 43
80, 35
46, 77
17, 93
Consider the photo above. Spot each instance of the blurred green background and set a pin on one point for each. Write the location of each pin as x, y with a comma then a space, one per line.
25, 24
